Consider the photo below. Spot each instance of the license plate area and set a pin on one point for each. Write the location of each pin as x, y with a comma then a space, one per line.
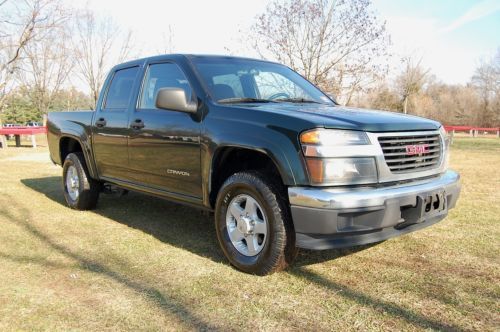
428, 205
432, 203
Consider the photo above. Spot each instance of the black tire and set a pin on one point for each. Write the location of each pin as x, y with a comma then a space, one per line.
88, 189
278, 247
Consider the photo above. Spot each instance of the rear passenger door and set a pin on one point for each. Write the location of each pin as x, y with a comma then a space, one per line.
164, 145
110, 127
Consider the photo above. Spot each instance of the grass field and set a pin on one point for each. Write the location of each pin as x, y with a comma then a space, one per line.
140, 263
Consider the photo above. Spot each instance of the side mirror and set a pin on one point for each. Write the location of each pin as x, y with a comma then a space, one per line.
175, 99
333, 97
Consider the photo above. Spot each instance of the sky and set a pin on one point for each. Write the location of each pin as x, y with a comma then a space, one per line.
451, 36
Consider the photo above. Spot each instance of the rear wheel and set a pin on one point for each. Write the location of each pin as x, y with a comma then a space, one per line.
253, 224
80, 190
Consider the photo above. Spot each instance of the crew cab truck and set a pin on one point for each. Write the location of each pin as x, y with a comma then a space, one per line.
280, 163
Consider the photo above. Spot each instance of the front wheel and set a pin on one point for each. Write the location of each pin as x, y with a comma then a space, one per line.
253, 224
80, 190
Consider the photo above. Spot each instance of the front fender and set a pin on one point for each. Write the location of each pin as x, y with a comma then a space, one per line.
267, 147
280, 145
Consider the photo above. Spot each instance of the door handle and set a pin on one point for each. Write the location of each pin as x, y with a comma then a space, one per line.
137, 124
100, 123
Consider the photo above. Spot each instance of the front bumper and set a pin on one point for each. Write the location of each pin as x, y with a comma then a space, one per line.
326, 218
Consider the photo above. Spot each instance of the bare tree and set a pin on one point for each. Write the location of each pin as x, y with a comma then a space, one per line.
476, 103
167, 46
98, 44
336, 44
47, 64
411, 81
486, 80
451, 104
381, 97
20, 22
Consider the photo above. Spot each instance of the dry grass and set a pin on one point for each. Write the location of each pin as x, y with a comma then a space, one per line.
140, 263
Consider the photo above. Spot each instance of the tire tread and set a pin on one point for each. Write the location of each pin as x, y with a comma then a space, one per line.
89, 196
283, 250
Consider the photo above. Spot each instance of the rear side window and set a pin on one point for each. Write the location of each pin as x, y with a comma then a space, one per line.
162, 75
120, 89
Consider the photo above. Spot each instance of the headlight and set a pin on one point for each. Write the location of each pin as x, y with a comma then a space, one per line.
342, 171
319, 146
446, 146
334, 137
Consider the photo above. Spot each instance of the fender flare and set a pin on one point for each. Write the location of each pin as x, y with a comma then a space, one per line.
86, 149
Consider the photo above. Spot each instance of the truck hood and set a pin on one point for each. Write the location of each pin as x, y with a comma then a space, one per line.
340, 117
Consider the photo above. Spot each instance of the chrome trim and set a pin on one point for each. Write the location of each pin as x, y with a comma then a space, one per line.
430, 160
386, 175
349, 198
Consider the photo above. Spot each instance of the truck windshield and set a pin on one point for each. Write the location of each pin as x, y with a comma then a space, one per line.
253, 81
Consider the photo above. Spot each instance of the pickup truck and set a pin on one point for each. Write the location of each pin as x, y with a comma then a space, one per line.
280, 164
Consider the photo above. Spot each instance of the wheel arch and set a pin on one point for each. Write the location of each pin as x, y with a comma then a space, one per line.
230, 159
70, 144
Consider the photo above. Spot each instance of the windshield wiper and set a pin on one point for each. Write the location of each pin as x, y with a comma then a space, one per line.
244, 100
297, 100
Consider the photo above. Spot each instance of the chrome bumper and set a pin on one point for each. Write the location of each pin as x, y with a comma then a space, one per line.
339, 217
367, 197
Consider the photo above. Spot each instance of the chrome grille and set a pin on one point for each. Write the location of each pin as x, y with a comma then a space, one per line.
399, 160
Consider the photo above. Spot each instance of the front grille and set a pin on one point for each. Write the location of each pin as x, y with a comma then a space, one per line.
401, 159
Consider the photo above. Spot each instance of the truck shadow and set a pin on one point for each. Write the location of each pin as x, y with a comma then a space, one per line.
187, 228
171, 223
170, 304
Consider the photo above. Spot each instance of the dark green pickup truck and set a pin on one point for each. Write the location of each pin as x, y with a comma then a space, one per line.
279, 162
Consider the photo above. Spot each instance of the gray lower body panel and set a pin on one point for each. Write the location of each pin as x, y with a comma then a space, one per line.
335, 218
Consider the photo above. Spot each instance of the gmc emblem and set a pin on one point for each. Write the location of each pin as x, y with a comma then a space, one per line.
420, 149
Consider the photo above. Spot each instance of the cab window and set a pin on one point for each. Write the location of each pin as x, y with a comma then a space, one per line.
120, 89
162, 75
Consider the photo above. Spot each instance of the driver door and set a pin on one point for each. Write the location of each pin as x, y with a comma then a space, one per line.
164, 145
